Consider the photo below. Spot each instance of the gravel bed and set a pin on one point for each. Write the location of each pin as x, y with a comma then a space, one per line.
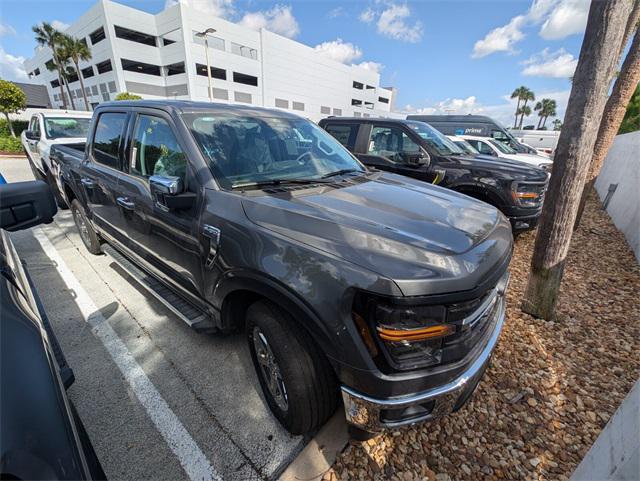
551, 388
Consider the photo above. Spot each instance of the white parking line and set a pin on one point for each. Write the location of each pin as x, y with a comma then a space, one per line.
191, 457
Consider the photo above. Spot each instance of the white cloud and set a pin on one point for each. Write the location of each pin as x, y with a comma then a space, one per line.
279, 20
558, 64
558, 19
59, 25
340, 51
502, 112
373, 66
6, 29
568, 18
393, 21
11, 67
336, 12
501, 39
217, 8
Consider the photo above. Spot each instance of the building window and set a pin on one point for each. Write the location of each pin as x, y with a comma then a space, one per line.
167, 41
242, 97
49, 64
140, 67
104, 67
214, 42
356, 102
97, 36
105, 97
222, 94
297, 106
368, 105
72, 78
282, 103
357, 114
55, 97
94, 90
78, 93
369, 87
103, 88
87, 72
112, 87
135, 36
337, 112
384, 100
358, 85
366, 115
325, 110
219, 73
55, 83
242, 78
36, 72
176, 68
244, 51
87, 91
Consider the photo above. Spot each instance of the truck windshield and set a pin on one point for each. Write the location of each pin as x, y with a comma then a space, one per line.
66, 127
244, 150
434, 139
466, 147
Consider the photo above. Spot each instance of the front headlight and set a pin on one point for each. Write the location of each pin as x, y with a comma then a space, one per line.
528, 194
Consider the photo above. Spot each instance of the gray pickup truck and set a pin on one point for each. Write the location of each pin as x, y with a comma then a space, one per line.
345, 279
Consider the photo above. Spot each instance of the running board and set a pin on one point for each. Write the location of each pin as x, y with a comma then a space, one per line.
185, 310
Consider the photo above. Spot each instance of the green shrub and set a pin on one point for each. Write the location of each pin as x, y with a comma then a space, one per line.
10, 144
18, 127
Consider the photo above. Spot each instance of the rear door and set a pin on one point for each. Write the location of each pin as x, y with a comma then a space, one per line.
166, 241
100, 172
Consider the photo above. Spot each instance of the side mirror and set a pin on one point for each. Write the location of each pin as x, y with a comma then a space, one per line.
169, 194
26, 204
31, 135
416, 160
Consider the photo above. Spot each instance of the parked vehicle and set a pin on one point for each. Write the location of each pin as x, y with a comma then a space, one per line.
344, 279
544, 141
53, 127
463, 145
479, 125
417, 150
495, 148
41, 435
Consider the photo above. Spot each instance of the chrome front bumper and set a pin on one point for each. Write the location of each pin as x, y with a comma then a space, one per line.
366, 412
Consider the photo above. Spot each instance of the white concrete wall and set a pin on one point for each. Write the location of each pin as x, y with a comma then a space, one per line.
615, 456
622, 167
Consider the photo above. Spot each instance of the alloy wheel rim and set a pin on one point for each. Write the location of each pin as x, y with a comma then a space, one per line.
82, 225
270, 370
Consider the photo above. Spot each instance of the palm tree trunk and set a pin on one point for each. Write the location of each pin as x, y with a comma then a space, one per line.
73, 104
544, 121
598, 59
522, 114
614, 111
84, 94
515, 122
64, 100
13, 134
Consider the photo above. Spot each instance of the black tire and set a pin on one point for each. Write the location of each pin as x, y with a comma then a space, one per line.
87, 234
310, 386
61, 203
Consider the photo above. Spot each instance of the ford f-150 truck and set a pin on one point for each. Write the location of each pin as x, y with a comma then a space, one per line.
417, 150
384, 288
52, 127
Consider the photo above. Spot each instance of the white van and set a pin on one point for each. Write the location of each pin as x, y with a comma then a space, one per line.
489, 146
542, 140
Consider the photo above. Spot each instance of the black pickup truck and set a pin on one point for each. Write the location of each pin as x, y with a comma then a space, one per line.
386, 289
417, 150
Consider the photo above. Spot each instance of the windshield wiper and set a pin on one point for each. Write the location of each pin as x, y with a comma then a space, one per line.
272, 182
340, 172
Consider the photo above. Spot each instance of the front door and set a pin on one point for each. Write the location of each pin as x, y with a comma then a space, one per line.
100, 173
167, 241
34, 153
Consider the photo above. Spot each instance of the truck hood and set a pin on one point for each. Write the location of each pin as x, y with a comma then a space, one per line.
426, 239
511, 168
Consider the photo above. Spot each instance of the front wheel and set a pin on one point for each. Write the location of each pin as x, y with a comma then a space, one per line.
62, 204
88, 235
296, 379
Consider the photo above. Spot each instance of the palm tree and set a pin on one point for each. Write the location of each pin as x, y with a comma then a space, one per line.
519, 94
546, 108
47, 36
76, 50
524, 110
67, 74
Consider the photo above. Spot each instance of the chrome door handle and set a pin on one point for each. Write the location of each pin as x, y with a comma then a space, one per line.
88, 183
125, 203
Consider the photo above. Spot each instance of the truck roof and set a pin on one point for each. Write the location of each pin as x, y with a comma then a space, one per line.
451, 118
64, 113
367, 119
188, 106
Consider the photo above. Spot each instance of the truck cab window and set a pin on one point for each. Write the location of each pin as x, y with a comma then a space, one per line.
343, 133
106, 141
392, 143
156, 150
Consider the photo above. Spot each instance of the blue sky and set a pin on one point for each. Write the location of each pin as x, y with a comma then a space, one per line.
462, 56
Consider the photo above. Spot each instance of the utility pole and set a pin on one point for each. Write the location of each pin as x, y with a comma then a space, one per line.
205, 34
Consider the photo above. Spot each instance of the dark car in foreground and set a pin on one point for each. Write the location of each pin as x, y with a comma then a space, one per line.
417, 150
383, 288
41, 435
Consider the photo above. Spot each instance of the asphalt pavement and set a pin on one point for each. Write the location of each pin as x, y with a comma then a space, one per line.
158, 400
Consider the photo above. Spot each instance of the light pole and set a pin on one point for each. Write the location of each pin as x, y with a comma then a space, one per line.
204, 34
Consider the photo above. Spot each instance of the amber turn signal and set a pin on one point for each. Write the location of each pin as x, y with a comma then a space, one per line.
397, 335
